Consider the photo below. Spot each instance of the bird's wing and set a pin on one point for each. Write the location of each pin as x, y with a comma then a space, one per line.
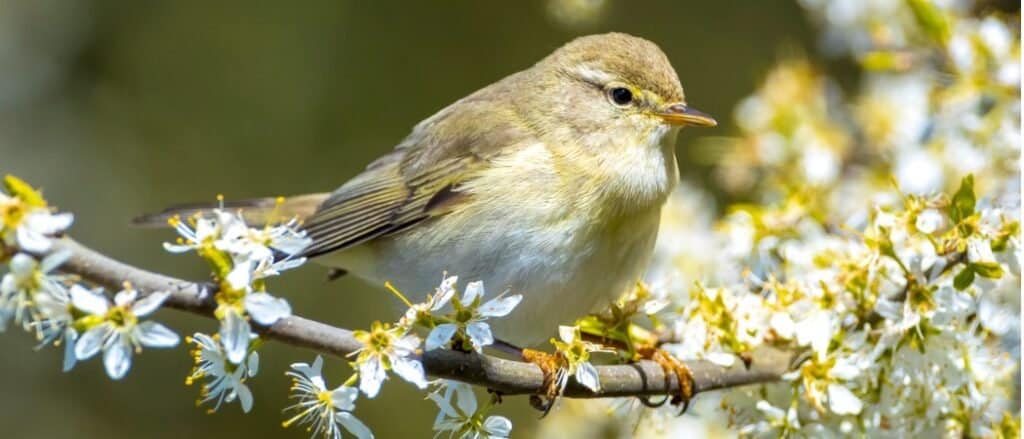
420, 179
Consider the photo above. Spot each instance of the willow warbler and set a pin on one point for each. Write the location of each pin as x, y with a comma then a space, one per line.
548, 183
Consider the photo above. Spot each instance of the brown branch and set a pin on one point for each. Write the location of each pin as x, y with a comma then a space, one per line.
506, 376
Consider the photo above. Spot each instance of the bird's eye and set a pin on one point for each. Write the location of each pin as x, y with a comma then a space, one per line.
621, 96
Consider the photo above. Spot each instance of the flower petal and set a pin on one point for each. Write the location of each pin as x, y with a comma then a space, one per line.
344, 397
501, 306
567, 333
266, 309
353, 425
150, 303
473, 291
117, 358
32, 241
410, 370
498, 426
479, 335
70, 358
155, 335
842, 401
371, 376
244, 397
234, 335
440, 336
586, 374
465, 398
91, 342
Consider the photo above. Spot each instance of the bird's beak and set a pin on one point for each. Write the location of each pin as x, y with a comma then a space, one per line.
681, 115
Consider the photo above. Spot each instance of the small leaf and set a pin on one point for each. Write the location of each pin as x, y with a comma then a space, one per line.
963, 201
964, 279
17, 187
931, 19
991, 270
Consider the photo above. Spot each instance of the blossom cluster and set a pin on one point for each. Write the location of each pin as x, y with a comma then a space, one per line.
56, 308
882, 243
241, 257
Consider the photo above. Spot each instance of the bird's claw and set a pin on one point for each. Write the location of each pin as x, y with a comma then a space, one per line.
553, 367
672, 365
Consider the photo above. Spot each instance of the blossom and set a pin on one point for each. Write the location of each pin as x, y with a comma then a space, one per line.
462, 417
226, 379
469, 317
386, 348
115, 327
20, 288
322, 410
25, 219
442, 295
577, 354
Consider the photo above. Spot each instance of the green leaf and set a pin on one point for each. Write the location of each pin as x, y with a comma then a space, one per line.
964, 279
931, 19
963, 201
990, 270
18, 188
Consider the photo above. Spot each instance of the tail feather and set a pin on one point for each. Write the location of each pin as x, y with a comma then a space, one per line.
255, 211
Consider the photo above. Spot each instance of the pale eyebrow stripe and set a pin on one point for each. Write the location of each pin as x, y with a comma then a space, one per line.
594, 75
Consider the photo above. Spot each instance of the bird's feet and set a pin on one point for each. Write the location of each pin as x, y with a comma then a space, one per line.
553, 366
672, 366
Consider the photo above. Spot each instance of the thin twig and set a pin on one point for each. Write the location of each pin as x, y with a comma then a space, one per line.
506, 376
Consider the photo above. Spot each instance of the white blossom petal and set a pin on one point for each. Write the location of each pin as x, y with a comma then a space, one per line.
266, 309
842, 401
155, 335
498, 426
501, 306
410, 370
234, 335
371, 376
91, 342
117, 357
479, 335
150, 303
440, 336
473, 291
353, 425
586, 374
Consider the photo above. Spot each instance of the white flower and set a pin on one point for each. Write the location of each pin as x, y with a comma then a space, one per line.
469, 317
264, 309
118, 331
461, 417
227, 380
258, 244
30, 225
387, 348
442, 295
55, 320
323, 411
204, 232
27, 280
577, 354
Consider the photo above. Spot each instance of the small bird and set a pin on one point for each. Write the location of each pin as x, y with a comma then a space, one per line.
548, 183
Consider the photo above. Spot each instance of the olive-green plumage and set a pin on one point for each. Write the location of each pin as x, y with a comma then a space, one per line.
548, 182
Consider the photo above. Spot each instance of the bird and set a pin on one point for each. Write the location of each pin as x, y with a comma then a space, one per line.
548, 183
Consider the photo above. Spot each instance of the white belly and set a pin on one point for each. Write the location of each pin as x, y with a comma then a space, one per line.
563, 270
567, 241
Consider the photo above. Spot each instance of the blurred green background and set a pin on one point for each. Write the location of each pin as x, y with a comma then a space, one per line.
122, 107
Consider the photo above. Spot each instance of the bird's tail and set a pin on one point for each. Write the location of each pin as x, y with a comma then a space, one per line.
255, 211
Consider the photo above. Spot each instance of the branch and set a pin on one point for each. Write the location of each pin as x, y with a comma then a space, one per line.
506, 376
